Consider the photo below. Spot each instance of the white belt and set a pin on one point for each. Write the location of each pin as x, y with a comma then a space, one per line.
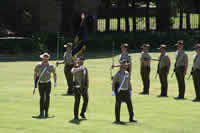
124, 89
45, 81
77, 86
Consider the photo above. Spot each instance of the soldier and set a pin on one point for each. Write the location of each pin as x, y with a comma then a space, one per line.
81, 84
163, 70
145, 68
43, 72
69, 63
180, 68
125, 55
196, 73
122, 89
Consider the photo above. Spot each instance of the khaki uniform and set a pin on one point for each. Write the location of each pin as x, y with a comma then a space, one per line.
145, 71
81, 84
44, 85
69, 63
181, 66
122, 95
128, 59
196, 75
163, 71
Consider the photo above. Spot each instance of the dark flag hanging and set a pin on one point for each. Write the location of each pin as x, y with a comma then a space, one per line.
80, 40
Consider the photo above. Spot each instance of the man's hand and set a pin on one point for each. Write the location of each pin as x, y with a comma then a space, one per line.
33, 91
112, 66
113, 93
57, 63
55, 85
185, 73
131, 92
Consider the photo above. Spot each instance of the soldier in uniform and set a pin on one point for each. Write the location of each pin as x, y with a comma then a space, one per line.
81, 84
43, 72
145, 68
122, 89
196, 73
69, 63
163, 70
180, 68
125, 56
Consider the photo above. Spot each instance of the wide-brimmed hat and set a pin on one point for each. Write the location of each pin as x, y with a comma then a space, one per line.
69, 44
124, 62
124, 45
197, 46
44, 54
179, 42
163, 46
146, 45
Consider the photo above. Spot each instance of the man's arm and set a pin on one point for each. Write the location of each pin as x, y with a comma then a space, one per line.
75, 70
186, 64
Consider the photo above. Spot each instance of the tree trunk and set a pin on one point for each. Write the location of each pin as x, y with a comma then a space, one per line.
181, 19
134, 17
188, 21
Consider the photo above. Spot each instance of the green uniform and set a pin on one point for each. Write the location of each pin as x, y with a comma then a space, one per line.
122, 90
181, 66
81, 84
163, 71
145, 71
44, 85
69, 63
196, 75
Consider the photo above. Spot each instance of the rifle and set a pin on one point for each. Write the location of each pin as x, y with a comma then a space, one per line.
113, 59
191, 73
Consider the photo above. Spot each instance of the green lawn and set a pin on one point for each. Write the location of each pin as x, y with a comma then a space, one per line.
154, 115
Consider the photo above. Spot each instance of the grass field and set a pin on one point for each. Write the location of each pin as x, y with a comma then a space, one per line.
154, 115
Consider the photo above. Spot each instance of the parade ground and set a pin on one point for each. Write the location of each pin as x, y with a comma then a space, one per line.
20, 108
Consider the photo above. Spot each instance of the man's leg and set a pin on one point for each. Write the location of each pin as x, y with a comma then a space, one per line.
147, 80
77, 97
41, 91
85, 103
130, 106
69, 78
47, 95
196, 81
117, 108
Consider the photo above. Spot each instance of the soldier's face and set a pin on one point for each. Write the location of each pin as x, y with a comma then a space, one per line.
45, 59
197, 50
162, 50
124, 67
180, 47
68, 48
124, 49
145, 49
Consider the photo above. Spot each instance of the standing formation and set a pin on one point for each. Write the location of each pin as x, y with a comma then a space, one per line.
78, 80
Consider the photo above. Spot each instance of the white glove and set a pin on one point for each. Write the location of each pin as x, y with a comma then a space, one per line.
113, 93
131, 92
55, 85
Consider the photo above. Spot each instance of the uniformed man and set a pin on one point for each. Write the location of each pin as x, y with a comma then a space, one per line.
145, 68
180, 68
81, 85
43, 72
163, 70
69, 63
125, 56
122, 89
196, 73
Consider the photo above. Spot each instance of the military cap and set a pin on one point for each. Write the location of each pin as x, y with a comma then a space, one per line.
179, 42
163, 46
44, 54
69, 44
124, 45
124, 62
146, 45
197, 45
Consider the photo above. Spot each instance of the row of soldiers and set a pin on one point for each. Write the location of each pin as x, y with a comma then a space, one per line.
164, 63
78, 82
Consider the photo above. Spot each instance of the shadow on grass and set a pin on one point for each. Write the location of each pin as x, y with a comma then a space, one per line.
39, 117
120, 123
77, 122
64, 94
